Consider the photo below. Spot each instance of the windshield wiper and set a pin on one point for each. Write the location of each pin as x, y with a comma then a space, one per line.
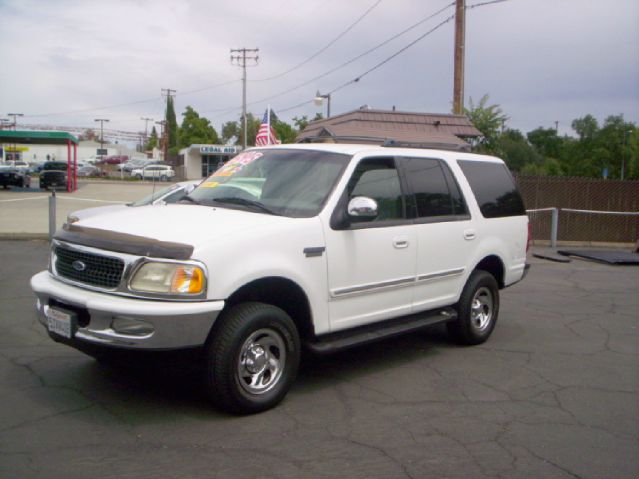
244, 202
192, 200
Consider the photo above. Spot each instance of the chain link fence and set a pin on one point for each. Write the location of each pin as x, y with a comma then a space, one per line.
590, 210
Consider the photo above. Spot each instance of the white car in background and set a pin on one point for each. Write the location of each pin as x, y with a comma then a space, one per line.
164, 196
156, 172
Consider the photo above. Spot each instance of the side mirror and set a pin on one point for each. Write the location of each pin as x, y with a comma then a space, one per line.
362, 207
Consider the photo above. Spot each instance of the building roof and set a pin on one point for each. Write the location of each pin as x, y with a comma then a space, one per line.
37, 137
378, 126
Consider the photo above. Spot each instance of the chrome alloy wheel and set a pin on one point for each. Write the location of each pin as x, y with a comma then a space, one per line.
481, 309
261, 361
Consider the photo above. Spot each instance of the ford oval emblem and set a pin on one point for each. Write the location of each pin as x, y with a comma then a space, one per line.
78, 265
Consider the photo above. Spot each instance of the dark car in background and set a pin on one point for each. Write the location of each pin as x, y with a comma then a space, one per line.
14, 177
54, 174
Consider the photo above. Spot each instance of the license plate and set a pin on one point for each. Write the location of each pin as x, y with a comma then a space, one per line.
60, 322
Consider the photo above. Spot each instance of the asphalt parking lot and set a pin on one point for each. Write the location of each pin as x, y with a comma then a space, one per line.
553, 394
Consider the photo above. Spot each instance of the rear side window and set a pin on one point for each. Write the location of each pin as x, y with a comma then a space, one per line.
494, 189
434, 191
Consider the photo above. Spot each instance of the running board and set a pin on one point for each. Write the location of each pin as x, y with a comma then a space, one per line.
370, 333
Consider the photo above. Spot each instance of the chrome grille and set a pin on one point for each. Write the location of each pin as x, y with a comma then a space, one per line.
96, 270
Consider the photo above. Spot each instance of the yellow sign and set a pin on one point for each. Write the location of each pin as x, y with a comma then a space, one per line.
15, 148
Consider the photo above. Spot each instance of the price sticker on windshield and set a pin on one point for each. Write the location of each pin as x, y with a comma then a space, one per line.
236, 164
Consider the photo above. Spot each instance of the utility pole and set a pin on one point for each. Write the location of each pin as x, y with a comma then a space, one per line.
162, 144
556, 127
101, 120
15, 118
169, 94
241, 56
460, 44
146, 128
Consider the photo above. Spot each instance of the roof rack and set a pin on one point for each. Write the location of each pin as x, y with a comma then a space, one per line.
335, 138
428, 145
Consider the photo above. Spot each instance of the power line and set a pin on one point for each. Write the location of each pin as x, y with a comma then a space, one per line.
348, 62
383, 62
323, 49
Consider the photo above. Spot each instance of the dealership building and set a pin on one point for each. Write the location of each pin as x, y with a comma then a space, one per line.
199, 161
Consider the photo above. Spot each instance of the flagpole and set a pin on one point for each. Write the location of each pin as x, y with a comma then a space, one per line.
268, 123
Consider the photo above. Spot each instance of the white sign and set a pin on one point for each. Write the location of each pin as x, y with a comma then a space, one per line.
224, 149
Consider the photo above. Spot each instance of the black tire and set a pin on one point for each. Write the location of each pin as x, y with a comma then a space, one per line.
249, 336
139, 177
163, 178
477, 310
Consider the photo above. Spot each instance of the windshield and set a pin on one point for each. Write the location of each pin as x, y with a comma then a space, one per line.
291, 183
147, 200
55, 166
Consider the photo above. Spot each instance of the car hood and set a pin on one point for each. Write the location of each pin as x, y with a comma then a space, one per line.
192, 225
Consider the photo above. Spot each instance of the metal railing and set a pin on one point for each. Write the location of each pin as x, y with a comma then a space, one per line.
555, 216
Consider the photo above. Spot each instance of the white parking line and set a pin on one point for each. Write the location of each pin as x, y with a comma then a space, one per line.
88, 199
24, 199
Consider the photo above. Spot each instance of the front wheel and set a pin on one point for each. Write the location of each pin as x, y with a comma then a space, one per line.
252, 358
477, 310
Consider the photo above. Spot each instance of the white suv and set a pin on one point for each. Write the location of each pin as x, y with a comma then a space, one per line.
291, 246
157, 172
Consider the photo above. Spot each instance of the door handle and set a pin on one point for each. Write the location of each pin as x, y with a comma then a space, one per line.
469, 235
400, 243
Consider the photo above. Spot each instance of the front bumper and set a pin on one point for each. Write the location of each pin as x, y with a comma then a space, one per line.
174, 325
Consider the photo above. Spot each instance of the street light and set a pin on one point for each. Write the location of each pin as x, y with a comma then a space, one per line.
319, 99
101, 120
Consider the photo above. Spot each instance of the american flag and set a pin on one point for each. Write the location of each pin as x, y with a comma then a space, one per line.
266, 133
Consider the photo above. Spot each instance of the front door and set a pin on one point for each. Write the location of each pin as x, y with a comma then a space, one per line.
371, 264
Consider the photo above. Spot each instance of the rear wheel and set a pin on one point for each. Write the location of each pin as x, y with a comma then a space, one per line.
252, 358
477, 310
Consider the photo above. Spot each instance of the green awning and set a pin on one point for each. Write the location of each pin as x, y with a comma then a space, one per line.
37, 137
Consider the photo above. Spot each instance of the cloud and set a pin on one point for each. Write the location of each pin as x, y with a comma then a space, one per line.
541, 60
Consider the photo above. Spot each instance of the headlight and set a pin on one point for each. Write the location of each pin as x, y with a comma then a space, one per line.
168, 278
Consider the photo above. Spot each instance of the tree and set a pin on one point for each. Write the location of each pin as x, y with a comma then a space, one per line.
546, 141
586, 127
488, 119
230, 131
153, 140
517, 152
302, 122
87, 134
171, 126
195, 129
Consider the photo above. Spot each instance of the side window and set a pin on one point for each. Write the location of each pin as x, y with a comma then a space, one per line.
434, 190
377, 178
494, 188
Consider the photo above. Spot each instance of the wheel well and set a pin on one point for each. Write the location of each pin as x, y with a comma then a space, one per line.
493, 265
280, 292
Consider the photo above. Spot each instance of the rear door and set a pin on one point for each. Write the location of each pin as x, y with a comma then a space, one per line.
443, 229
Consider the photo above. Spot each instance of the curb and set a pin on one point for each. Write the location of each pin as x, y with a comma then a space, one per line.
24, 236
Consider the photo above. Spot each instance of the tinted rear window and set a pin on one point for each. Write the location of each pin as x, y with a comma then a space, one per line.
494, 189
435, 194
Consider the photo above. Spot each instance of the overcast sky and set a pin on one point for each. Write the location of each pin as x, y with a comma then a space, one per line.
542, 61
